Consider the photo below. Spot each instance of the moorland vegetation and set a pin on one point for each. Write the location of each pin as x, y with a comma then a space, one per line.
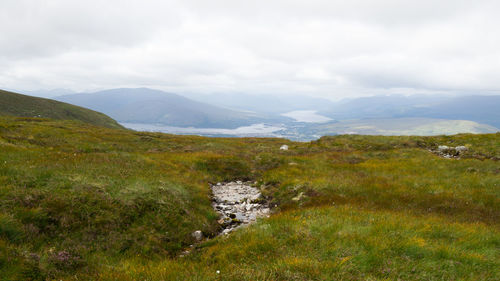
85, 202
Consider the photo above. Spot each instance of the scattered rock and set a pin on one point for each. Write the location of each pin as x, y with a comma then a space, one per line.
238, 204
284, 147
198, 235
298, 197
443, 148
185, 253
450, 151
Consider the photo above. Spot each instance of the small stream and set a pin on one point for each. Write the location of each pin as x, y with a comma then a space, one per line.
238, 204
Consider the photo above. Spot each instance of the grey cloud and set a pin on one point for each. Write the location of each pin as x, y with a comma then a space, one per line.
322, 48
40, 28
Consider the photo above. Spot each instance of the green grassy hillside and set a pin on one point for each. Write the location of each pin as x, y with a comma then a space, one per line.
14, 104
79, 202
403, 126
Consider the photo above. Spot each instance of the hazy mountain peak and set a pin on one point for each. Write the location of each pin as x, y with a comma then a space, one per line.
144, 105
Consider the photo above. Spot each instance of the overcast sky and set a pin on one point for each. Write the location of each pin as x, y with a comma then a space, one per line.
323, 48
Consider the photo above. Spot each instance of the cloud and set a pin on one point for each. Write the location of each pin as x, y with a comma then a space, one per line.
323, 48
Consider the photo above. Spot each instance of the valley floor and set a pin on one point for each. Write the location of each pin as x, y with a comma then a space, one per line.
79, 202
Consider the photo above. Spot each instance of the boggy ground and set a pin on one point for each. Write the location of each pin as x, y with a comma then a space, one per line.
79, 202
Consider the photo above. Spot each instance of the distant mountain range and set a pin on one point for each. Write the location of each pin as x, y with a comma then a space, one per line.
14, 104
393, 127
390, 115
482, 109
143, 105
265, 103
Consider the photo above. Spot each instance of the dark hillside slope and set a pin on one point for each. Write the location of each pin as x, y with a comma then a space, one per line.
14, 104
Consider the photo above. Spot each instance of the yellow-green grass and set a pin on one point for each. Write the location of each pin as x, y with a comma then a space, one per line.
84, 202
409, 179
334, 243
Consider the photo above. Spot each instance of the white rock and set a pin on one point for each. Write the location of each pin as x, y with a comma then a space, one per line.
284, 147
198, 235
461, 148
443, 147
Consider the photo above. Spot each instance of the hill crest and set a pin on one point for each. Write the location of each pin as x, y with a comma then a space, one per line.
15, 104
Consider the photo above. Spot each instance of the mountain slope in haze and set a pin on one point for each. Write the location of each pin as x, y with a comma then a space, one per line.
14, 104
143, 105
380, 106
409, 126
49, 94
265, 103
482, 109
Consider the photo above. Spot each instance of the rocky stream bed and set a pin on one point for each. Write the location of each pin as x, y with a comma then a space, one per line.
238, 203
